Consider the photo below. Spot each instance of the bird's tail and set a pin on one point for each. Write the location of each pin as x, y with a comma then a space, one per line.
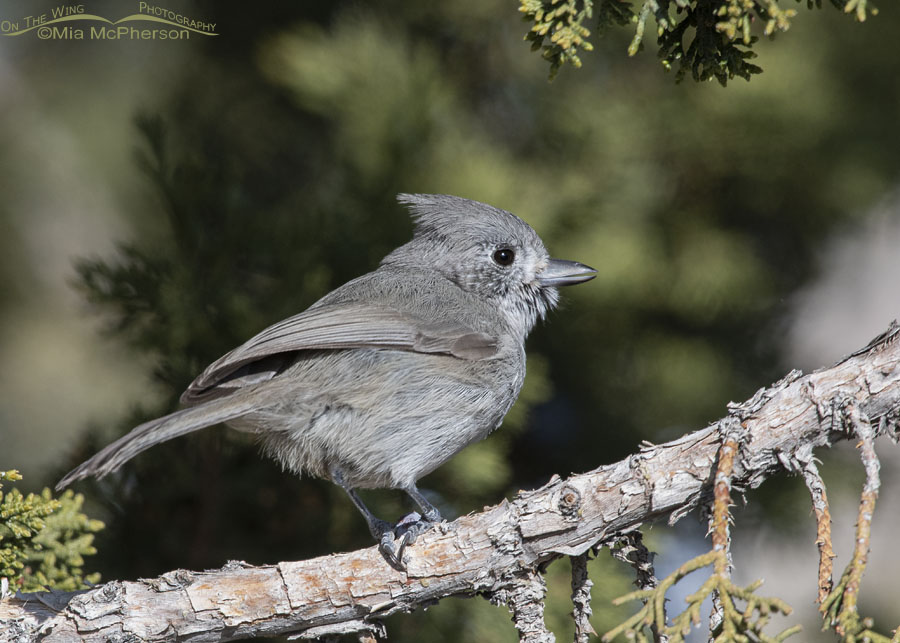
150, 433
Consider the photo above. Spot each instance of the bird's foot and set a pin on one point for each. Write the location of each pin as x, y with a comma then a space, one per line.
406, 531
379, 528
407, 521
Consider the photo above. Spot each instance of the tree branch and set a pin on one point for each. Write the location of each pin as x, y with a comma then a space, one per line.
497, 553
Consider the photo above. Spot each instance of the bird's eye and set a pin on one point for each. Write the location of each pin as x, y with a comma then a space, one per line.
504, 256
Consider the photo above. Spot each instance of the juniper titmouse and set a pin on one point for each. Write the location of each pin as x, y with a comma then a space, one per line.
387, 377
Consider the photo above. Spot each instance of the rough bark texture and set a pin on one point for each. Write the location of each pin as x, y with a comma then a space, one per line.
496, 552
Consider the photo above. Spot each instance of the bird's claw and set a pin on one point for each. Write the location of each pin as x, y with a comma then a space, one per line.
406, 532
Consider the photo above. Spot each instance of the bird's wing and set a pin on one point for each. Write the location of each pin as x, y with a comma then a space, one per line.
339, 326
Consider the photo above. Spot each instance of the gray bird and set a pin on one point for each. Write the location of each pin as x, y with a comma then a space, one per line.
387, 377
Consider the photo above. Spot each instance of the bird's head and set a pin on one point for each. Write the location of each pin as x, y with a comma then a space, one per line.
489, 252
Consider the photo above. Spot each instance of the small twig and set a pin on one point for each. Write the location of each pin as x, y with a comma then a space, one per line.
525, 599
629, 548
840, 608
816, 487
720, 521
720, 525
581, 598
867, 501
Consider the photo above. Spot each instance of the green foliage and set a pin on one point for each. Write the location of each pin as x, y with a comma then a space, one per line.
736, 627
710, 39
849, 624
43, 539
562, 25
710, 53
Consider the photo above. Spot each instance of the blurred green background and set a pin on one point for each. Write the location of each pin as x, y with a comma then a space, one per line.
163, 201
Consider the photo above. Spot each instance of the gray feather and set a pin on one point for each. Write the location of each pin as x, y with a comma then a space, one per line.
342, 326
151, 433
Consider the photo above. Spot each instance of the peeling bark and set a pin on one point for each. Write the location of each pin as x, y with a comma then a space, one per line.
581, 599
498, 552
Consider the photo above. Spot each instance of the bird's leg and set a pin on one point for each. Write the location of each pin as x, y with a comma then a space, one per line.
377, 526
408, 529
431, 514
413, 525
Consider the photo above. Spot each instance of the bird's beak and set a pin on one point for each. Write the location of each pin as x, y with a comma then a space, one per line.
560, 272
